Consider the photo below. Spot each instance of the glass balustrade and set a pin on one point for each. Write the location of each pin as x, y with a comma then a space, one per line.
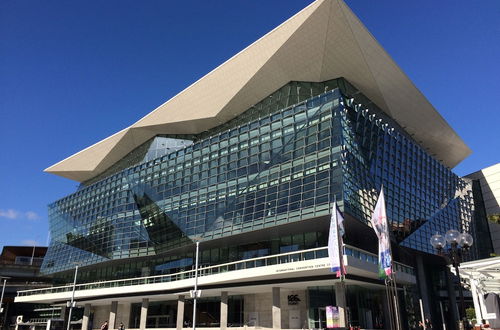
283, 258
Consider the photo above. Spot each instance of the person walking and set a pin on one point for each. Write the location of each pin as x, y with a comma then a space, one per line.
121, 326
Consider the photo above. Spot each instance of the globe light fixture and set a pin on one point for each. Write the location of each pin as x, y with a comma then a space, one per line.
452, 236
438, 241
466, 240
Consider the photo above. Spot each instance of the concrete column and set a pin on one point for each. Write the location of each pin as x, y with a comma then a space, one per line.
223, 310
64, 315
453, 299
276, 315
112, 315
63, 311
86, 316
340, 300
144, 313
422, 284
123, 314
180, 312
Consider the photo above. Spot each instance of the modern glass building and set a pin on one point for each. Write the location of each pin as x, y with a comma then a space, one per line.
248, 161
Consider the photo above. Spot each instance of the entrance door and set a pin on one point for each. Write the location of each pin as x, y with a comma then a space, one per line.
294, 319
319, 318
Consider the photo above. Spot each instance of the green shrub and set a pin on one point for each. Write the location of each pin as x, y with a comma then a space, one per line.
495, 218
470, 313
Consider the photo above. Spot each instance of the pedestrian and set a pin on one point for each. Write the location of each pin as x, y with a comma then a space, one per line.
104, 326
121, 327
428, 324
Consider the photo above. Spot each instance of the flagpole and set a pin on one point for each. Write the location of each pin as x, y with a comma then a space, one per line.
336, 256
388, 296
392, 290
340, 245
386, 261
388, 290
342, 267
396, 297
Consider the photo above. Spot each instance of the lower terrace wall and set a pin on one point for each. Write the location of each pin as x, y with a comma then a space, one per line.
257, 311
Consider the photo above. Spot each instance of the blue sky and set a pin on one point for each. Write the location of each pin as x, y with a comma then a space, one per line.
75, 72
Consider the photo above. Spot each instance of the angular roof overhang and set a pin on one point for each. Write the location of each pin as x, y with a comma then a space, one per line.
323, 41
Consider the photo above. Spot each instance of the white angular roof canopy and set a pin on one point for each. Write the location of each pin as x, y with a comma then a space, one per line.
323, 41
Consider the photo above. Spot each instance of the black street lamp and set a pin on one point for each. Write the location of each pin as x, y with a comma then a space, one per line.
459, 243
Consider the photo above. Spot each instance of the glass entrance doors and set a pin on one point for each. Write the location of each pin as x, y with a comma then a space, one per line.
319, 318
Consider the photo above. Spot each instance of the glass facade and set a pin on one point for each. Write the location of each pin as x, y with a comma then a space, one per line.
422, 196
164, 314
483, 242
282, 161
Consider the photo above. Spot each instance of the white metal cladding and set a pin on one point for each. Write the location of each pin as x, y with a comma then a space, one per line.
323, 41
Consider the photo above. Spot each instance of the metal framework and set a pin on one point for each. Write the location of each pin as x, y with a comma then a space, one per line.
481, 277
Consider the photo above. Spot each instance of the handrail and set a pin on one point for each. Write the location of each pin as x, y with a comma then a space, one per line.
282, 258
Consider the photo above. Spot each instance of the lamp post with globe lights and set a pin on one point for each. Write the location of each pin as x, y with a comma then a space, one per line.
459, 243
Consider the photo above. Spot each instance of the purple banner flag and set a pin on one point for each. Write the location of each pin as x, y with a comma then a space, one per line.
379, 224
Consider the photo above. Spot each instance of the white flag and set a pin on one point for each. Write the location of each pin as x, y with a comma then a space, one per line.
379, 224
335, 241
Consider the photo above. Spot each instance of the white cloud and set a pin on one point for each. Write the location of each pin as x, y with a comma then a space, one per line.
32, 215
15, 214
9, 214
29, 242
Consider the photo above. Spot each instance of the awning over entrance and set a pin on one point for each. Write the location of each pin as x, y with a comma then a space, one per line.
485, 273
481, 277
